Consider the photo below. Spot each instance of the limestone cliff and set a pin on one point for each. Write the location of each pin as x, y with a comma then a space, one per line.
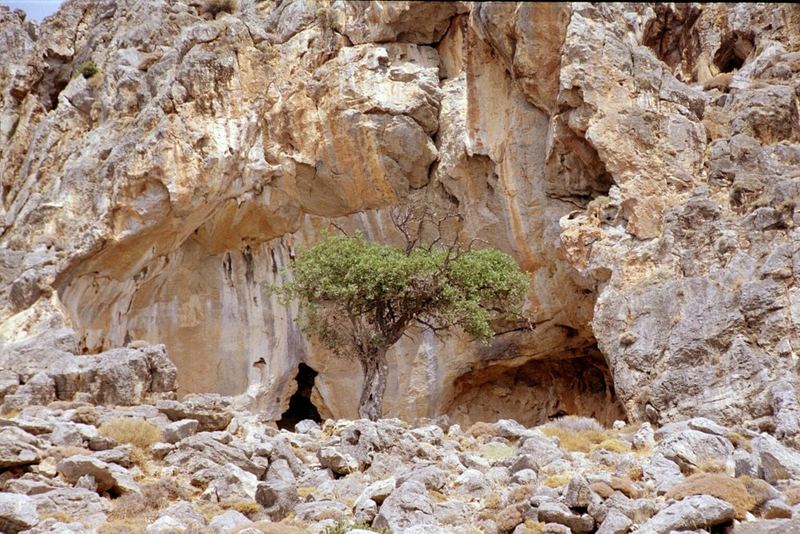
642, 163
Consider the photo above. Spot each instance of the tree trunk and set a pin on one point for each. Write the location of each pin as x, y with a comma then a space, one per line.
375, 369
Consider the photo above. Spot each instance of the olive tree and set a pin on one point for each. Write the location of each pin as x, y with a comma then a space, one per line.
358, 298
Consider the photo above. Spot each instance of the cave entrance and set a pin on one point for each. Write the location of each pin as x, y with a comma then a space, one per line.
300, 405
537, 392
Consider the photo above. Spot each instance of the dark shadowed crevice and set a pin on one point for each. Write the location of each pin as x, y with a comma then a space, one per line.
300, 405
538, 391
733, 51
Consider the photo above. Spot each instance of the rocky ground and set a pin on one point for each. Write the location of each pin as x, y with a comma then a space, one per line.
201, 464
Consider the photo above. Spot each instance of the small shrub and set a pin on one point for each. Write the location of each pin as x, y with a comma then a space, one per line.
712, 466
575, 423
246, 507
577, 440
636, 472
615, 445
124, 526
721, 486
133, 430
520, 493
557, 481
88, 69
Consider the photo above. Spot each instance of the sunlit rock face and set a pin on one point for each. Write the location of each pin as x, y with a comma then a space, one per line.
639, 162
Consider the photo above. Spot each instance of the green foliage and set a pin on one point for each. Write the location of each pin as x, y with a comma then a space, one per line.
380, 290
88, 69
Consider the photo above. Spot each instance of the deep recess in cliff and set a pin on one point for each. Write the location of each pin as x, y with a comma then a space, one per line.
640, 162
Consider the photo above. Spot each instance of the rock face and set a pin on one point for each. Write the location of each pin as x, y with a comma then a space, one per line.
640, 162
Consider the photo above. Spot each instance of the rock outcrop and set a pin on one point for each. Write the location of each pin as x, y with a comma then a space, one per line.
160, 166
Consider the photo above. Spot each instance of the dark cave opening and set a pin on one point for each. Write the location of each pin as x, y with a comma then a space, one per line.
300, 405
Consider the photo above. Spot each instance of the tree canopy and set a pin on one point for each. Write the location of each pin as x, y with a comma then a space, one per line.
358, 298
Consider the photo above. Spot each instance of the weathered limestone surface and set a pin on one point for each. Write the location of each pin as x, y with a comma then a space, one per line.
641, 162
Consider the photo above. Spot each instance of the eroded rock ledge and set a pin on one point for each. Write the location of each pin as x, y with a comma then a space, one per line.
639, 161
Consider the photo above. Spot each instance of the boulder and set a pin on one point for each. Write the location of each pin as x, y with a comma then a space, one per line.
17, 513
176, 431
109, 477
18, 447
693, 512
211, 411
408, 505
228, 522
339, 463
554, 512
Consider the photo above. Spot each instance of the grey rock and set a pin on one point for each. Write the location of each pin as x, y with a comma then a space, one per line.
278, 497
108, 476
662, 472
578, 494
773, 526
341, 464
693, 512
211, 411
554, 512
204, 446
166, 525
690, 448
18, 447
185, 513
75, 502
776, 461
615, 523
17, 513
178, 430
310, 512
227, 482
365, 510
408, 505
229, 522
776, 509
378, 491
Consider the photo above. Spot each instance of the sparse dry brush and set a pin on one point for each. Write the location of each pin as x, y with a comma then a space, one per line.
137, 432
717, 485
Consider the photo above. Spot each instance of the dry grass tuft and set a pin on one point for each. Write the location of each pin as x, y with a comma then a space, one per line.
615, 445
133, 430
155, 496
723, 487
557, 481
247, 507
577, 440
575, 423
